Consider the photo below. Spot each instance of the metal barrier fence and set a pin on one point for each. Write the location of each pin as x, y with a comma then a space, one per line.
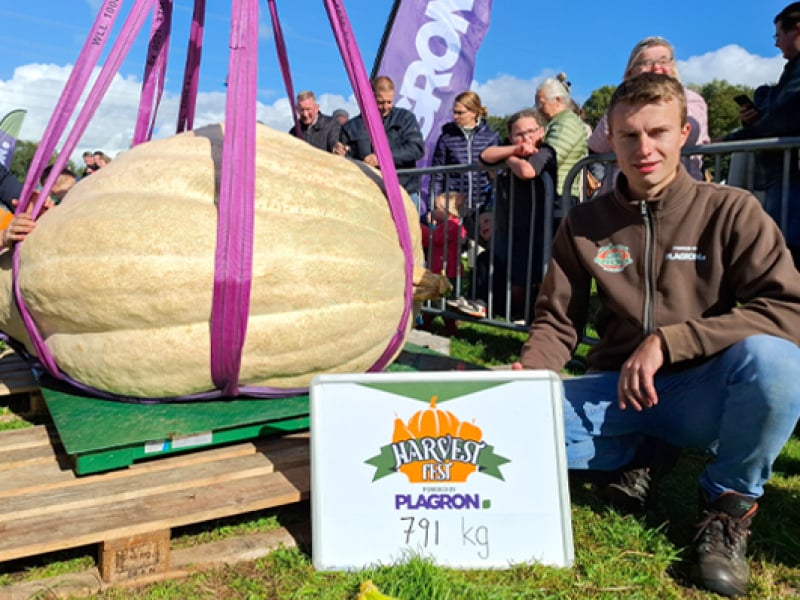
739, 170
486, 262
496, 264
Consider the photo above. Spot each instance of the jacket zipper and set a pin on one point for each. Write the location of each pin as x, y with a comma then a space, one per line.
469, 173
647, 320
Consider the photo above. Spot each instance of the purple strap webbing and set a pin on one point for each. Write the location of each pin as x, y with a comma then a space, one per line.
191, 72
283, 60
234, 255
234, 252
354, 66
66, 105
155, 72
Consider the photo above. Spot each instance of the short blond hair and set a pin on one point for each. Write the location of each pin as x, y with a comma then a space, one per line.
451, 202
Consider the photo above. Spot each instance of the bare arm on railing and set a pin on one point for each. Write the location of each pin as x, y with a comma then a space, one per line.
514, 157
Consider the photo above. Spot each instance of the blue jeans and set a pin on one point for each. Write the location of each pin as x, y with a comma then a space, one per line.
742, 405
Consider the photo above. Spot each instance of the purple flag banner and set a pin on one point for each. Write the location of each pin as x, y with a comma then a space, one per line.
430, 55
7, 146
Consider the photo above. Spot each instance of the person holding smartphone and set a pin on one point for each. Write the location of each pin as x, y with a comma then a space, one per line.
774, 113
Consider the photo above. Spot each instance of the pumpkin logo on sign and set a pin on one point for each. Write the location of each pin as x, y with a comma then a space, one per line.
434, 446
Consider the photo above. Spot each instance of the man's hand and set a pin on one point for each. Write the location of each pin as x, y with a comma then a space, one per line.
340, 149
371, 160
22, 224
748, 115
635, 387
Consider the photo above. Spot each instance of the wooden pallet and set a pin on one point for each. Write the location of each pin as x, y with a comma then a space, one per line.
45, 506
17, 381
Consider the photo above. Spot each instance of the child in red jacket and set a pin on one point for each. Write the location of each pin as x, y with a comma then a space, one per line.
443, 240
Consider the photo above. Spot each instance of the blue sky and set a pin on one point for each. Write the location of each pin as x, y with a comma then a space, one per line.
526, 42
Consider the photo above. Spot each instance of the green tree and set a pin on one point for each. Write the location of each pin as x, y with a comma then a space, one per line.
23, 157
596, 105
498, 124
723, 112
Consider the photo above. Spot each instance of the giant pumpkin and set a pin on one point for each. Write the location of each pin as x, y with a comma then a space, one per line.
119, 277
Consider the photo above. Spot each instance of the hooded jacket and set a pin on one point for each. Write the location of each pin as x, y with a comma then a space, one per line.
702, 264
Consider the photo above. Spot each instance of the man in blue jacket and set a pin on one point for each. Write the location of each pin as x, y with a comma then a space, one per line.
402, 130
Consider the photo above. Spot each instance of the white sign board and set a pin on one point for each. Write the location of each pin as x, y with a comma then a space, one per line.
465, 468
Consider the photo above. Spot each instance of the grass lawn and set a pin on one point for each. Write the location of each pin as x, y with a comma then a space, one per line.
615, 556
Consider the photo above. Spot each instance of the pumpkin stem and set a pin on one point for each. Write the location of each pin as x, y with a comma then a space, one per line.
433, 401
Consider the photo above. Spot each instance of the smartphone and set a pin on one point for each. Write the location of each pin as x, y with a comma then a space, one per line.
744, 101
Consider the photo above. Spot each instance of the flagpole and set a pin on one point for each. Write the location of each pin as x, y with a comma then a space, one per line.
389, 23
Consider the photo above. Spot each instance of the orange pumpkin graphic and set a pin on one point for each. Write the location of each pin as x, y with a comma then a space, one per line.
434, 422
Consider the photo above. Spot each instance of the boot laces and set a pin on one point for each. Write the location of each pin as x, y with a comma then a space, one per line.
722, 533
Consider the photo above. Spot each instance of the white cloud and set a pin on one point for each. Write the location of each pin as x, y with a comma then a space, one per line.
506, 94
36, 88
734, 64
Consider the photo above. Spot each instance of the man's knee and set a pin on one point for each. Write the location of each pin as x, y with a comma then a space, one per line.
768, 355
772, 364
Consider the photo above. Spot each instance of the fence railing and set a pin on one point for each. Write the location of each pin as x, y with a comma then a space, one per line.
490, 252
739, 170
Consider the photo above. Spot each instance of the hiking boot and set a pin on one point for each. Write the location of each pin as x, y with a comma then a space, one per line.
632, 491
722, 544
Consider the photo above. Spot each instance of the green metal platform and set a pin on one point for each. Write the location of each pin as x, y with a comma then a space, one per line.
100, 435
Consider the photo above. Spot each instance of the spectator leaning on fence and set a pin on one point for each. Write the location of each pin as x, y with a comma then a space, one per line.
777, 114
402, 131
519, 203
699, 322
656, 55
564, 132
461, 143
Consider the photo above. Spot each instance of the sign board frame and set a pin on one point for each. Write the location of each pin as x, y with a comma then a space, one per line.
467, 469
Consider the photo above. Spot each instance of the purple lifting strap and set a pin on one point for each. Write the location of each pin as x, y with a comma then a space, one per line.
283, 60
233, 259
191, 71
64, 109
354, 66
155, 72
233, 264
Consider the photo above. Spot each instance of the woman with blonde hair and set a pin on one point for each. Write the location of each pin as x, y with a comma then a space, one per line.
460, 143
654, 54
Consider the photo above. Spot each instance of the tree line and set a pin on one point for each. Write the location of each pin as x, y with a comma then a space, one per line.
723, 112
723, 117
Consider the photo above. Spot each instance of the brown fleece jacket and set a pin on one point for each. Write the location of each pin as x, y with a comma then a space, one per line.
702, 264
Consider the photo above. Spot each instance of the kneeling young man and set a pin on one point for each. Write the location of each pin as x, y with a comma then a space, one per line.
699, 325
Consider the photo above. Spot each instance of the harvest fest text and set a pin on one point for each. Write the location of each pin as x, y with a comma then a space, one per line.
434, 446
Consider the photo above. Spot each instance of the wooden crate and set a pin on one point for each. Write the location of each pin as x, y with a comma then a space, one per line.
46, 507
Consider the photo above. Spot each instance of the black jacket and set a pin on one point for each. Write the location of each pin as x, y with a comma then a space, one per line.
405, 141
10, 188
322, 134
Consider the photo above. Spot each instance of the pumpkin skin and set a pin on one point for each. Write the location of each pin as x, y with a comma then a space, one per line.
119, 277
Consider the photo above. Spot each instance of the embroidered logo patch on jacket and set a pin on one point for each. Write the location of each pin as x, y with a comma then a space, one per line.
613, 258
